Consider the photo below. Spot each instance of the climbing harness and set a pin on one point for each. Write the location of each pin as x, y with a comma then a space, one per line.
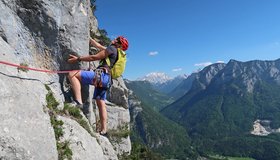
97, 80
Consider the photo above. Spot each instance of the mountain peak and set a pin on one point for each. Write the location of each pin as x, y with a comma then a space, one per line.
156, 77
182, 76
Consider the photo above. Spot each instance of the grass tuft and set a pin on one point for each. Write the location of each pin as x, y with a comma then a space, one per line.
23, 67
64, 151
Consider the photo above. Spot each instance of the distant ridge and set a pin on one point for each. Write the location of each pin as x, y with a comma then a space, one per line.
155, 78
162, 82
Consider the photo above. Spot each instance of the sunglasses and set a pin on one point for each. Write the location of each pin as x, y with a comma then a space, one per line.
118, 39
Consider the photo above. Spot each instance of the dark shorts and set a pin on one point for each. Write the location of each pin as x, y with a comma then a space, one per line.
87, 79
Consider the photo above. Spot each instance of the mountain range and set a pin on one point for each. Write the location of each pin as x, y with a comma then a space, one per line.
221, 107
224, 101
163, 83
155, 78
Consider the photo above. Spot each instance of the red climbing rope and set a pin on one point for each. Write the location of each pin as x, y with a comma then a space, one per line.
34, 69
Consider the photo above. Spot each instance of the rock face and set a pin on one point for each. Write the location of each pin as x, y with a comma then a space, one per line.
41, 34
262, 128
26, 132
83, 145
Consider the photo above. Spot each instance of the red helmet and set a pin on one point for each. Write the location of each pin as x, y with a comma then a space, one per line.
124, 42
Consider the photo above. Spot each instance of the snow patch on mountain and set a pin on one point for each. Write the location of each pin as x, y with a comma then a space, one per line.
156, 78
162, 82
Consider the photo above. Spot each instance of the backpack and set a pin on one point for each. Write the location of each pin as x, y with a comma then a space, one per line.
119, 66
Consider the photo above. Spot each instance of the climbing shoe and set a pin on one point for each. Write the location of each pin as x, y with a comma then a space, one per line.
102, 133
75, 103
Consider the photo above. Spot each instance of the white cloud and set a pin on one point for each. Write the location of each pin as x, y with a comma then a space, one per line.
153, 53
177, 69
204, 64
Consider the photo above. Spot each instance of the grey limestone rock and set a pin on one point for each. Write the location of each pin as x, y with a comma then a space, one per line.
41, 34
83, 145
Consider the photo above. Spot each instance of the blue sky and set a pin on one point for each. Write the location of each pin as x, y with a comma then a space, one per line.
181, 36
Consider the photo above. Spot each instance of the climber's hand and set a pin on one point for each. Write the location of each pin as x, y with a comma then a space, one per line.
73, 59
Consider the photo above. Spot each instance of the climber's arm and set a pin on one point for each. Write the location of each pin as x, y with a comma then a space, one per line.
100, 55
96, 44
